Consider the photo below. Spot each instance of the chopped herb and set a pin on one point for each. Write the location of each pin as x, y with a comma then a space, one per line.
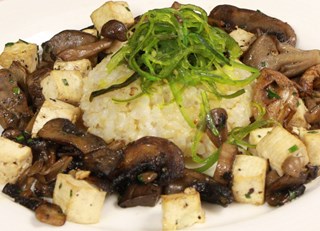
60, 185
9, 44
293, 148
71, 192
29, 140
298, 103
65, 82
248, 194
128, 9
20, 138
16, 90
272, 95
292, 195
312, 132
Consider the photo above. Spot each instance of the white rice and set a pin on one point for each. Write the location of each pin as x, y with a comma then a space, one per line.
154, 114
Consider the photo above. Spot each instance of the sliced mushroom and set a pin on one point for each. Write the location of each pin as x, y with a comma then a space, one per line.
34, 86
65, 40
97, 156
223, 171
85, 51
285, 189
216, 122
229, 17
63, 131
277, 94
268, 52
209, 190
140, 195
14, 109
149, 154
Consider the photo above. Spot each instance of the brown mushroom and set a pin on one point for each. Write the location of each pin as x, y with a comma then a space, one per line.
114, 30
229, 17
285, 189
268, 52
14, 109
277, 94
51, 214
140, 195
149, 154
216, 121
97, 156
209, 189
310, 86
65, 40
34, 86
223, 171
85, 51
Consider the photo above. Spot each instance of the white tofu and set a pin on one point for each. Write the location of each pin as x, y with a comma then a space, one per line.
312, 141
52, 109
181, 210
243, 38
256, 135
118, 10
249, 174
63, 85
14, 159
278, 145
80, 201
25, 53
82, 65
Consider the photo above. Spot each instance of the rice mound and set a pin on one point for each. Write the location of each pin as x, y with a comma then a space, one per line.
154, 114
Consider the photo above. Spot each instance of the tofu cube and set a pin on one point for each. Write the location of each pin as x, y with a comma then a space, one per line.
52, 109
256, 135
312, 141
181, 210
249, 174
63, 85
243, 38
278, 145
83, 66
25, 53
118, 10
14, 159
80, 201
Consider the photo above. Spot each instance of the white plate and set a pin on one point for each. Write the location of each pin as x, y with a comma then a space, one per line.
37, 20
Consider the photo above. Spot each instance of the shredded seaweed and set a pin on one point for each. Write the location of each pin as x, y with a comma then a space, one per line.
179, 47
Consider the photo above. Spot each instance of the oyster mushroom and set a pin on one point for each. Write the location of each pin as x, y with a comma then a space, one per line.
14, 109
65, 40
310, 86
268, 52
97, 157
229, 17
277, 94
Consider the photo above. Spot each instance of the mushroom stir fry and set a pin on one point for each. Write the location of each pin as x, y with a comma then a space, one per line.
54, 156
